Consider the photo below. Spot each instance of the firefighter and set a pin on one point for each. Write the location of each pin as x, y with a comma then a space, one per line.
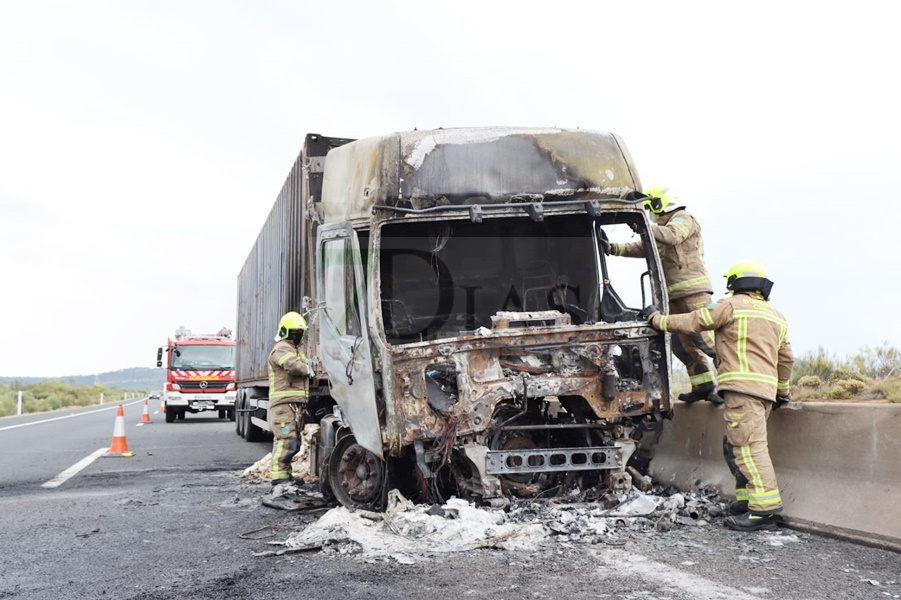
678, 236
754, 364
289, 374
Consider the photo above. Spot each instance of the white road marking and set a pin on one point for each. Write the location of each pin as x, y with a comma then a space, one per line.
90, 412
68, 473
697, 587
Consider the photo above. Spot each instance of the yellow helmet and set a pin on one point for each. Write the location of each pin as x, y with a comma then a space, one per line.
658, 198
748, 276
291, 321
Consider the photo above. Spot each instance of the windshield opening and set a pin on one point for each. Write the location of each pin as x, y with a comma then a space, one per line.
202, 357
449, 278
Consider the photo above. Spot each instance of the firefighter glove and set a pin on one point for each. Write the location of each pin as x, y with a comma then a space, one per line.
781, 401
647, 313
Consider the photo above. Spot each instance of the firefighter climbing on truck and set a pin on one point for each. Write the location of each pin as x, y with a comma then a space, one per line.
678, 236
755, 365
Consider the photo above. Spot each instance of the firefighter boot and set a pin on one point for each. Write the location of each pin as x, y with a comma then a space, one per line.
700, 393
285, 487
738, 507
751, 522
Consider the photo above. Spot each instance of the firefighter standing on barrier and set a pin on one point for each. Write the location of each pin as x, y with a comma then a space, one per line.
289, 374
754, 364
678, 237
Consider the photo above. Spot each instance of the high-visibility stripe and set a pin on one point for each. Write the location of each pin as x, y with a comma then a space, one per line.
663, 323
288, 393
764, 497
298, 356
688, 283
785, 385
681, 227
701, 378
759, 314
741, 494
706, 317
276, 472
756, 481
747, 376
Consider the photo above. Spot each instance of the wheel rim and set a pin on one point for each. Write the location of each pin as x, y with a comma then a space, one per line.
356, 474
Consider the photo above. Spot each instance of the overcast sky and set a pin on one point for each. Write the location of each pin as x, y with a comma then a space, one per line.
142, 144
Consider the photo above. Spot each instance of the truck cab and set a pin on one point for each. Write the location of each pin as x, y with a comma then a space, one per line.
200, 374
470, 335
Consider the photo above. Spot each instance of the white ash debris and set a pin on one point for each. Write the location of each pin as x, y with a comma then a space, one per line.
259, 471
410, 532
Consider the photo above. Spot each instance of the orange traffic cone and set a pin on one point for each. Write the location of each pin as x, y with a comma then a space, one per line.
119, 446
145, 418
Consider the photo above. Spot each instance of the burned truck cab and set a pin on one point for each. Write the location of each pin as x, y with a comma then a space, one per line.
477, 338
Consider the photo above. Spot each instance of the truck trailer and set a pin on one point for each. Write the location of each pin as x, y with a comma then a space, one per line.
468, 334
200, 373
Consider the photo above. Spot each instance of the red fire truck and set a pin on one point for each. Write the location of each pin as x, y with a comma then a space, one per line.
200, 374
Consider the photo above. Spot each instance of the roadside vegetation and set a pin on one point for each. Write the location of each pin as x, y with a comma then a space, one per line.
53, 395
872, 374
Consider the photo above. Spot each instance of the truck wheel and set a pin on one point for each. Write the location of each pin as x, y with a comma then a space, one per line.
252, 433
357, 476
238, 418
230, 414
221, 413
170, 414
181, 415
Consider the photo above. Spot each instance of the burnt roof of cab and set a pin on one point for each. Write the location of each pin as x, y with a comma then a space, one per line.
487, 165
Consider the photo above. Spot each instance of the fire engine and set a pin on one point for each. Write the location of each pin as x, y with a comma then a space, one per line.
200, 374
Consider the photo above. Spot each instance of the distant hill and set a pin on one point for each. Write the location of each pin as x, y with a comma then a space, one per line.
135, 379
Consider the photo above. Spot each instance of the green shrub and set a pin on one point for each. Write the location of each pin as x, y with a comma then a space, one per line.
852, 386
838, 392
817, 363
845, 373
810, 381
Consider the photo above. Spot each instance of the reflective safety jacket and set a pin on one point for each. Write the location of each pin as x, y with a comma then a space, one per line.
681, 248
753, 354
288, 374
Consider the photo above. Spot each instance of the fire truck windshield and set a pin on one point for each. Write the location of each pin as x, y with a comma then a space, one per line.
202, 357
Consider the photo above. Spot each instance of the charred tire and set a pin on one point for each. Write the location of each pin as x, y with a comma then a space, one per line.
170, 415
358, 477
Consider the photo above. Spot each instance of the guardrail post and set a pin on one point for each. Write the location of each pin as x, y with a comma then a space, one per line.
101, 397
19, 409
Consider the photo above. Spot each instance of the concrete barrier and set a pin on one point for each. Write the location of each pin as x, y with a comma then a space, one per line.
838, 464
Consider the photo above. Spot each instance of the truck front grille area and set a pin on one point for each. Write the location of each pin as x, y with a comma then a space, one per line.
203, 386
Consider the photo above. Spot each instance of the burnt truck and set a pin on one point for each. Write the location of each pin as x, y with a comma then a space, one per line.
468, 333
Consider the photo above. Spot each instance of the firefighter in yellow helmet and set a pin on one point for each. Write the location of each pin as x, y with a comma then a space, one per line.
754, 364
678, 237
289, 374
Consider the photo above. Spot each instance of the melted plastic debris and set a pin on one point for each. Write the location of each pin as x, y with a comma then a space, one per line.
408, 532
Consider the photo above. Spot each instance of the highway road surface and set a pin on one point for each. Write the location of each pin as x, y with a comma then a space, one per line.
177, 521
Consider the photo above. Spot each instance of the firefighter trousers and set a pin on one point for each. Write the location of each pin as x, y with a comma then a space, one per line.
285, 421
693, 350
747, 452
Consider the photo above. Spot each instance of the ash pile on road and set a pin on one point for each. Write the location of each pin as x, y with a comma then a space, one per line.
409, 533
